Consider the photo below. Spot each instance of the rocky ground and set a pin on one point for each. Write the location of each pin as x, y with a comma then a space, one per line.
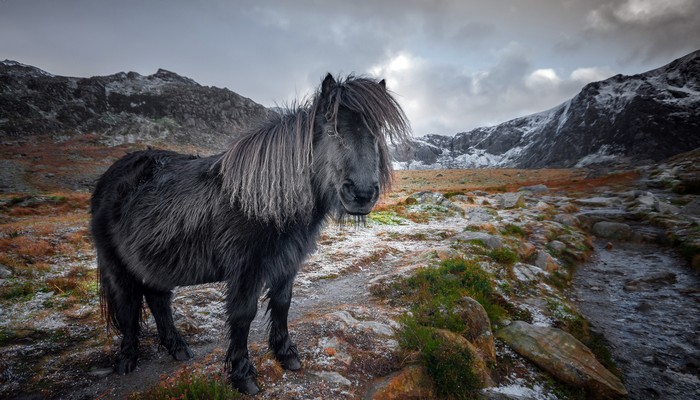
348, 310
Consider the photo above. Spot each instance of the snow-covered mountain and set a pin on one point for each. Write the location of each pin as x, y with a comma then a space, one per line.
122, 107
649, 116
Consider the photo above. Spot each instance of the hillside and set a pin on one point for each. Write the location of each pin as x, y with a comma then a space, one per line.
644, 117
120, 108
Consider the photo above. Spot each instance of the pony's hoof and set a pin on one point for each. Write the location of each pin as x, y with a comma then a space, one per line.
291, 363
125, 365
182, 354
246, 386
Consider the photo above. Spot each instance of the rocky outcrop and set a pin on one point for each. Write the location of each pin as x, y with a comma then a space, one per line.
649, 116
412, 382
560, 354
123, 107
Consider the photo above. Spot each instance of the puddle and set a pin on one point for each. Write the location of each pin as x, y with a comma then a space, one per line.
646, 302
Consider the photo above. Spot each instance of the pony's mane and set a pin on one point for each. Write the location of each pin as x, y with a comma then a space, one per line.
267, 170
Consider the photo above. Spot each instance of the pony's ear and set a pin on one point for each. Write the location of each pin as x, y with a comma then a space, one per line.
382, 83
328, 82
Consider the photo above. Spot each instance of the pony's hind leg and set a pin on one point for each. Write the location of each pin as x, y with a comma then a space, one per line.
160, 305
123, 298
280, 298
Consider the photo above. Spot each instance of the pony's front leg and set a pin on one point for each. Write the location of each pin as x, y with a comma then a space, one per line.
241, 305
280, 297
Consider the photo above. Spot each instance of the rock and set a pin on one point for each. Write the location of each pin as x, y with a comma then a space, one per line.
367, 326
458, 342
608, 246
527, 273
410, 383
534, 188
564, 357
510, 200
427, 198
566, 219
612, 230
596, 202
546, 262
490, 241
526, 250
691, 209
478, 215
100, 372
653, 281
5, 272
478, 330
556, 246
332, 377
666, 208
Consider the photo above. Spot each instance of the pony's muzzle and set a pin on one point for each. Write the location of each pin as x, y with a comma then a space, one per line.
358, 199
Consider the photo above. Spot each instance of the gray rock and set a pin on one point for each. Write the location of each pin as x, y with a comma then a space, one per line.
612, 230
556, 246
490, 241
535, 188
596, 202
478, 215
509, 200
332, 377
101, 372
566, 219
560, 354
545, 261
5, 272
527, 273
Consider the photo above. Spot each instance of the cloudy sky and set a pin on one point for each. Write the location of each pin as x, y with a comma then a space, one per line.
454, 65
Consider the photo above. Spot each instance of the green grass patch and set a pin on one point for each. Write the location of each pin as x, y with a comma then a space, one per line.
386, 218
503, 255
18, 291
189, 385
433, 293
513, 230
450, 367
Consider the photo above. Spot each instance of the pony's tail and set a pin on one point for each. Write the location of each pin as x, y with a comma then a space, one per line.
107, 310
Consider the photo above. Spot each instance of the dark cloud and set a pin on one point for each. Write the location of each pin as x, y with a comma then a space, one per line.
455, 64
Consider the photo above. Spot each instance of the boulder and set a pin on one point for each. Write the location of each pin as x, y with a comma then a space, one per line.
458, 342
612, 230
5, 272
534, 188
546, 262
526, 250
478, 330
409, 383
596, 202
490, 241
527, 273
510, 200
566, 219
564, 357
478, 215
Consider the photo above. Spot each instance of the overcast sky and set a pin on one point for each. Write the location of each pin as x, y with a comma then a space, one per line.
454, 65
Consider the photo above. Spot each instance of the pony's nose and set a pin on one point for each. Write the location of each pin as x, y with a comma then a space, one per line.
359, 195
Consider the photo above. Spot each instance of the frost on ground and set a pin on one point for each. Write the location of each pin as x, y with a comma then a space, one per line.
344, 333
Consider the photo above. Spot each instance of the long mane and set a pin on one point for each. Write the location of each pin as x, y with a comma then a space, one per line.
267, 171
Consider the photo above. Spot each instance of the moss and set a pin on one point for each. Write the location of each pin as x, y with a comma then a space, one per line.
472, 228
450, 195
388, 217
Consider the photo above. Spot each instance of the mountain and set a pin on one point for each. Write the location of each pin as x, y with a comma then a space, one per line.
649, 116
124, 107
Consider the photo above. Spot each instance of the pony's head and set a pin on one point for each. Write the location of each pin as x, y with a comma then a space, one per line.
329, 154
353, 120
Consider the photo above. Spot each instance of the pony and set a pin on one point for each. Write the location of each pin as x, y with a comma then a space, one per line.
248, 217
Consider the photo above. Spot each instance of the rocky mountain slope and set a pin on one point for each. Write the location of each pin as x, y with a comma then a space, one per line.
124, 107
649, 116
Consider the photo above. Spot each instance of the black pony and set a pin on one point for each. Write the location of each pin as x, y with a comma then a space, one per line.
248, 217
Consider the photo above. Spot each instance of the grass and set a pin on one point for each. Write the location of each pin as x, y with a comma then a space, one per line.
449, 366
189, 385
513, 230
432, 293
503, 255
